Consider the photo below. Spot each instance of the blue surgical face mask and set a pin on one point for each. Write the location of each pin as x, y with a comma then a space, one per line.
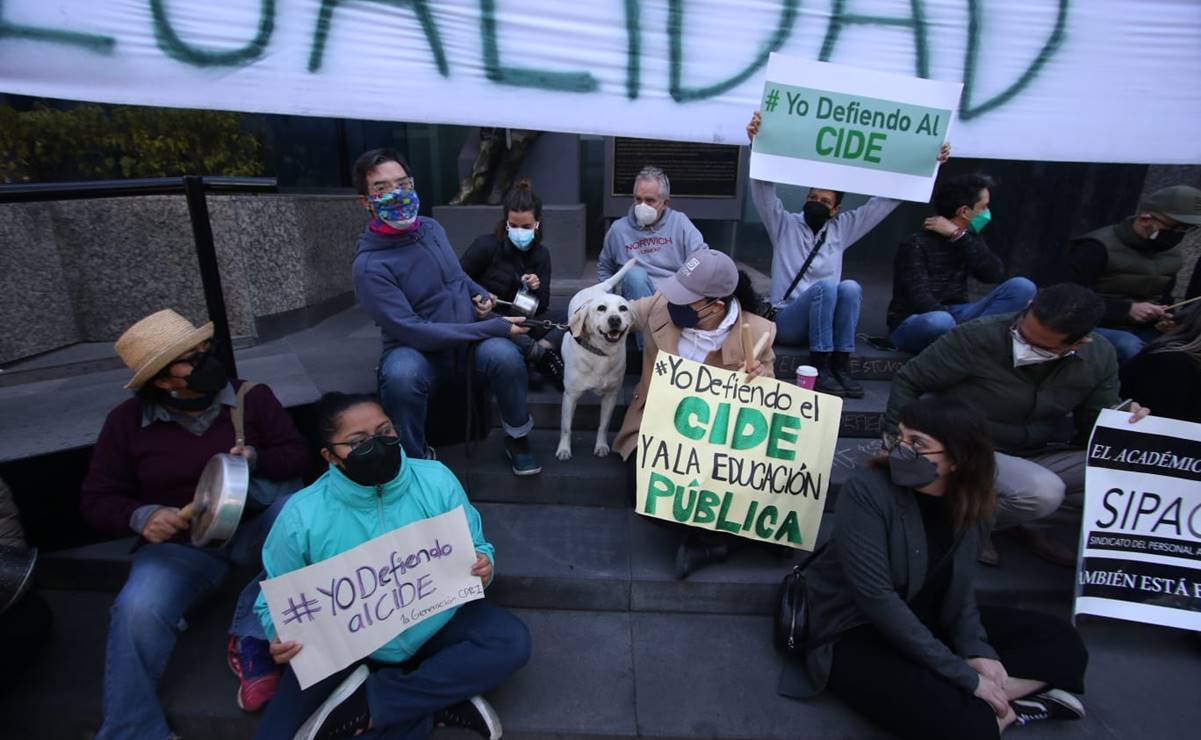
397, 208
521, 238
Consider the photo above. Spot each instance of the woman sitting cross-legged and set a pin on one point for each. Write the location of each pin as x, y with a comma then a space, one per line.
433, 672
894, 628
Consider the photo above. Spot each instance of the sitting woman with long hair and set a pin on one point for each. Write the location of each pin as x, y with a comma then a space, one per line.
894, 627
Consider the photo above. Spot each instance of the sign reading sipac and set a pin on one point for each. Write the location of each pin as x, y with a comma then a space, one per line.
1141, 539
344, 608
752, 459
862, 131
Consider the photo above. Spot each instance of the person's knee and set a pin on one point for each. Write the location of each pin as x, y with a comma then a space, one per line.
138, 615
849, 289
510, 640
1020, 288
1045, 495
499, 356
404, 372
939, 323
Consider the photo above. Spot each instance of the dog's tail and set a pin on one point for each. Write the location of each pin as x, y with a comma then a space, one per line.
614, 279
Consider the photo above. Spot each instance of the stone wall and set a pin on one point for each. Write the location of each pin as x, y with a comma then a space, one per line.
84, 270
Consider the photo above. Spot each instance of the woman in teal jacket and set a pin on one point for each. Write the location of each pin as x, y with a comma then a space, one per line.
433, 672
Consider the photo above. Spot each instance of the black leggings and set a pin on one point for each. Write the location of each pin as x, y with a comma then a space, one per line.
912, 701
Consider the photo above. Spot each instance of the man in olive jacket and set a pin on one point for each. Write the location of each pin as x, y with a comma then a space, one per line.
1027, 372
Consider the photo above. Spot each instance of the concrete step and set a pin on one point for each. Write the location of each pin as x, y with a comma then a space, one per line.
861, 417
611, 559
867, 363
663, 675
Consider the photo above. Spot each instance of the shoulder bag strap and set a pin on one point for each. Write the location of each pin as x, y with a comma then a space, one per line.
238, 414
805, 267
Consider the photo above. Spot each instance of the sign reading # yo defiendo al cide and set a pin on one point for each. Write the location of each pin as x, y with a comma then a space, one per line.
844, 128
344, 608
752, 459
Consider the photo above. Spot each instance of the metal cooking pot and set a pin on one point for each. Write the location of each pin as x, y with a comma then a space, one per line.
220, 498
524, 303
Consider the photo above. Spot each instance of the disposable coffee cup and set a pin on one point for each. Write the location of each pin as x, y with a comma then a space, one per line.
806, 376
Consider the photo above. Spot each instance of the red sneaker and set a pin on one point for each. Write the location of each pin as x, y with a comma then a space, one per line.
258, 675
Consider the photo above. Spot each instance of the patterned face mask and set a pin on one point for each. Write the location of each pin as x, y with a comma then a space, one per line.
397, 208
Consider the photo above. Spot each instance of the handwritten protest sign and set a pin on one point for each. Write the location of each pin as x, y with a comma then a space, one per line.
1140, 546
845, 128
752, 459
344, 608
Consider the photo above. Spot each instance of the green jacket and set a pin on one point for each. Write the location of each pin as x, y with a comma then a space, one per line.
1024, 405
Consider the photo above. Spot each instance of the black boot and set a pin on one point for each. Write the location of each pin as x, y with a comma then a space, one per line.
691, 558
826, 381
840, 368
550, 365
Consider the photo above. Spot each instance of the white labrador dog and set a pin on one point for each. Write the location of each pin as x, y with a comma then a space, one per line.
594, 356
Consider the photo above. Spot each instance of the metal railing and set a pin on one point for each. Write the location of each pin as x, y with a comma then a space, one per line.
195, 189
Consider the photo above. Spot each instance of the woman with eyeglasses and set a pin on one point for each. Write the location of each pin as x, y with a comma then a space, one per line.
512, 259
144, 470
433, 673
894, 629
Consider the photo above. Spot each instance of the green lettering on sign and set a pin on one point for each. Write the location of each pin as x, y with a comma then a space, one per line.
90, 41
853, 130
176, 48
750, 429
420, 8
690, 407
524, 76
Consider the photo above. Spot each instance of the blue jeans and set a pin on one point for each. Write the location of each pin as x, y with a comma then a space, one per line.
480, 647
920, 330
408, 378
823, 318
165, 581
637, 284
1127, 343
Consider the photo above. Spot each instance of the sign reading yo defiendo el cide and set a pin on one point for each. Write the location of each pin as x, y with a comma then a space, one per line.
752, 459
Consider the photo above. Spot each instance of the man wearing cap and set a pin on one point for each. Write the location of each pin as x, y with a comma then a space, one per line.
696, 314
1133, 266
144, 469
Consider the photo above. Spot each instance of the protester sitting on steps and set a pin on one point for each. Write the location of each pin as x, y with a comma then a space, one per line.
1134, 266
1026, 372
1166, 375
931, 268
814, 306
407, 279
894, 629
511, 259
144, 468
26, 621
432, 673
696, 314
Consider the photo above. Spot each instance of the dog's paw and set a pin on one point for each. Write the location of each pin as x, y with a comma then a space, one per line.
601, 450
563, 453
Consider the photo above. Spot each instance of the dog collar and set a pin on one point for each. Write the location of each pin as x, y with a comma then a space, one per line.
589, 347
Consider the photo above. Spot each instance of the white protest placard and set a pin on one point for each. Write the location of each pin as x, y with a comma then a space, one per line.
344, 608
1140, 543
846, 128
751, 459
1044, 80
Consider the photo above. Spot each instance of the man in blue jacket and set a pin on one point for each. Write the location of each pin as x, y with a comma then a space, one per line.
408, 279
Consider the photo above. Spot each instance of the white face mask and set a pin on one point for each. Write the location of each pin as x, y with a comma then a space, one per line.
645, 215
1027, 354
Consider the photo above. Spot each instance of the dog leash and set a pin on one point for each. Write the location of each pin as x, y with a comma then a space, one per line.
544, 324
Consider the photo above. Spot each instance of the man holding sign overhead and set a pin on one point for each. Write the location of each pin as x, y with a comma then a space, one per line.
840, 137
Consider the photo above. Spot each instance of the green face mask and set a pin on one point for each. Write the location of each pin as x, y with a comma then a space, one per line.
979, 221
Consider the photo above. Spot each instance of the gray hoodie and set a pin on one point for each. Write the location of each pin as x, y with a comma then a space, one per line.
792, 239
661, 247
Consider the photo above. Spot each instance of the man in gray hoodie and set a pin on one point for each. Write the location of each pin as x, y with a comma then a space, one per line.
661, 238
815, 306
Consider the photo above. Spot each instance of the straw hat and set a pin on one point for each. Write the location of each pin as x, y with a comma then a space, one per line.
151, 344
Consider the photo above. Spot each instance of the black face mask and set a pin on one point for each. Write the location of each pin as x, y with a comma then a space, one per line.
374, 462
909, 469
207, 376
685, 317
816, 214
190, 404
1166, 240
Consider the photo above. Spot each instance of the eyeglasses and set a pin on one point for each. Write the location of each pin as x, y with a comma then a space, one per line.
404, 185
917, 445
364, 445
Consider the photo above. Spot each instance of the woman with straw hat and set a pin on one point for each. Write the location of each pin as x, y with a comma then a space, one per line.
144, 469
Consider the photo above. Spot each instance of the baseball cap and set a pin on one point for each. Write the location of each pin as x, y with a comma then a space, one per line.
1178, 202
705, 274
